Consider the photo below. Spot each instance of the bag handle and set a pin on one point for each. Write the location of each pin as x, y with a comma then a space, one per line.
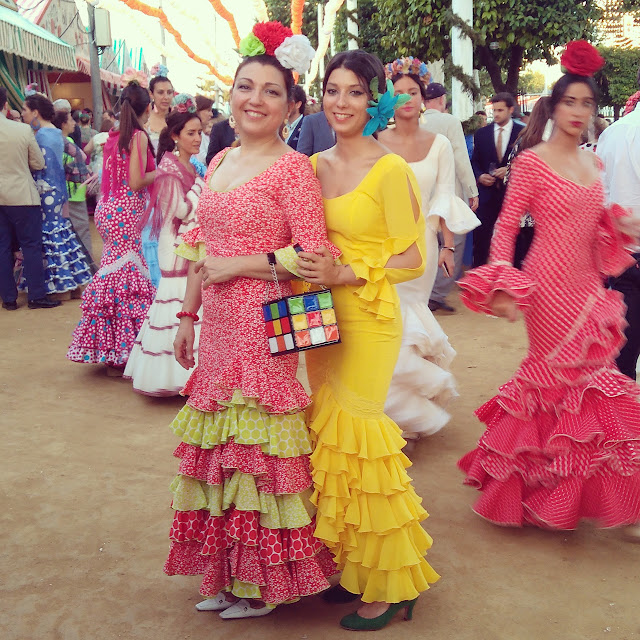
271, 257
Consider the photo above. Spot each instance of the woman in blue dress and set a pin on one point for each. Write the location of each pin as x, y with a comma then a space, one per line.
66, 266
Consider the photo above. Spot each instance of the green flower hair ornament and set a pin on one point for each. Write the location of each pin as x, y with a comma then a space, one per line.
382, 107
251, 46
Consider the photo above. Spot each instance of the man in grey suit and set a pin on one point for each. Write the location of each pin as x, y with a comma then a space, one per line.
437, 121
20, 212
315, 135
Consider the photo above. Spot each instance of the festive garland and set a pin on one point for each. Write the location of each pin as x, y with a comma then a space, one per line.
153, 12
260, 11
226, 15
324, 37
297, 9
467, 81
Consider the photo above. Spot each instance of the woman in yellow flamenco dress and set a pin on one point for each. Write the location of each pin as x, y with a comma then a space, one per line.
368, 513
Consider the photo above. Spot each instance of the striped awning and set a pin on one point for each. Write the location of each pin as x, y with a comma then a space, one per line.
112, 80
21, 37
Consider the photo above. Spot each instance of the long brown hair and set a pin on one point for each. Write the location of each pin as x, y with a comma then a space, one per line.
531, 135
135, 101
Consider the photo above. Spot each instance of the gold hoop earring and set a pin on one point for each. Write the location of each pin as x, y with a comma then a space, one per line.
423, 109
286, 130
232, 121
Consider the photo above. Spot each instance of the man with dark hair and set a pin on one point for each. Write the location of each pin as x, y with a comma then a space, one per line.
222, 136
296, 116
492, 145
619, 150
20, 212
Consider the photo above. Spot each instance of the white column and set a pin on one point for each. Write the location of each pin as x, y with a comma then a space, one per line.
462, 55
320, 23
352, 27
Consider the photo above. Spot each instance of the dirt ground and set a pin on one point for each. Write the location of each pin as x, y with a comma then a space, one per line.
85, 516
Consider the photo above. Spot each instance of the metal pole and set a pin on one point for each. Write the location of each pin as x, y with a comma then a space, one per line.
320, 23
94, 61
163, 58
352, 25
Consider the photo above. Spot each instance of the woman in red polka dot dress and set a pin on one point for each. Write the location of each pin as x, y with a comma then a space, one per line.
243, 515
115, 303
562, 442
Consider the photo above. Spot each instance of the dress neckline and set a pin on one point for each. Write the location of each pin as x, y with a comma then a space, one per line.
357, 187
577, 184
244, 184
433, 144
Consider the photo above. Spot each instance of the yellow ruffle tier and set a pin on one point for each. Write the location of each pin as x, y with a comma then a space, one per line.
368, 513
244, 420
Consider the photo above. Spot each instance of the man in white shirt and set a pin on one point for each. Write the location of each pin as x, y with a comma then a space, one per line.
437, 121
619, 149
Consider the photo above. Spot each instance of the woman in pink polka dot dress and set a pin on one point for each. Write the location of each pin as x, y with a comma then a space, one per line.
562, 442
243, 514
116, 302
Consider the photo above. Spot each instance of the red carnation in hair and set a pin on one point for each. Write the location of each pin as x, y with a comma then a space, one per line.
581, 58
271, 34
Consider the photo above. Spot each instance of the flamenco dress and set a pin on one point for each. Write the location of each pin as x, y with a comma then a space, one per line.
562, 438
152, 366
116, 302
242, 500
66, 265
368, 511
422, 383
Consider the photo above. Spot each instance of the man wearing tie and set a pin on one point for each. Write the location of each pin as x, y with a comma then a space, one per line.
492, 145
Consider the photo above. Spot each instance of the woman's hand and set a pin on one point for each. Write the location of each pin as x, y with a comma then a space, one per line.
504, 306
318, 267
215, 269
446, 258
628, 225
183, 344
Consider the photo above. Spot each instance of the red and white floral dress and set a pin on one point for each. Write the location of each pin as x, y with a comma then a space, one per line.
562, 442
243, 517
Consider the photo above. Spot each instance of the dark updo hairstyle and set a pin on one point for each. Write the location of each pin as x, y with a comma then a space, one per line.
135, 101
176, 122
60, 118
365, 65
416, 78
561, 86
156, 80
270, 61
41, 104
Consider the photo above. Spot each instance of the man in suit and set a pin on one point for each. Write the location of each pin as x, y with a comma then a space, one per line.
20, 212
296, 116
315, 134
222, 136
437, 121
491, 148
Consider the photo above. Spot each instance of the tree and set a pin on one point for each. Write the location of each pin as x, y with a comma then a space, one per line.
618, 79
506, 33
531, 82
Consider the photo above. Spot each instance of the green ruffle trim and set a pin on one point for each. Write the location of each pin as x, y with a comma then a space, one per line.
248, 423
290, 511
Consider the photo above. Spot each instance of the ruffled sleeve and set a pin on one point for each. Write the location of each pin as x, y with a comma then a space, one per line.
613, 258
193, 247
398, 194
444, 203
480, 285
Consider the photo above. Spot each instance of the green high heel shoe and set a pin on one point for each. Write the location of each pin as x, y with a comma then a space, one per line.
354, 622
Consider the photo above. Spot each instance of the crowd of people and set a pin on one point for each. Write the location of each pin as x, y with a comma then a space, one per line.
230, 247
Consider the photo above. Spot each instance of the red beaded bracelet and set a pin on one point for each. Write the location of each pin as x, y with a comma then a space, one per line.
188, 314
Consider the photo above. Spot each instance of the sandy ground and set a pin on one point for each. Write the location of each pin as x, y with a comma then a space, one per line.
85, 516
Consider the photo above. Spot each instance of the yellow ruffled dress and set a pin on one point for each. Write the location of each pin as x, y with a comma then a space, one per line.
368, 513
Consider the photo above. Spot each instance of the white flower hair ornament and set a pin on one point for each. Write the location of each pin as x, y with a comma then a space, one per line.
295, 53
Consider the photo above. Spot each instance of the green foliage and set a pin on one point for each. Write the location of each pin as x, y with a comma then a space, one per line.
618, 79
506, 33
281, 10
531, 82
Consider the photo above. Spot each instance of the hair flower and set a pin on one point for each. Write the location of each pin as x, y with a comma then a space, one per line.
581, 58
631, 103
133, 76
271, 34
408, 65
296, 53
382, 107
251, 46
31, 89
184, 103
159, 69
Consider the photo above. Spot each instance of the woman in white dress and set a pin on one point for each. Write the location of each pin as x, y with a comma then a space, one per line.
171, 211
422, 383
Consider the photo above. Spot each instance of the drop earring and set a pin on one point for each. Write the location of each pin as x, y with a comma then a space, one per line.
285, 129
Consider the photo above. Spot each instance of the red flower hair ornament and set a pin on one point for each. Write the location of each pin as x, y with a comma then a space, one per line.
581, 58
271, 34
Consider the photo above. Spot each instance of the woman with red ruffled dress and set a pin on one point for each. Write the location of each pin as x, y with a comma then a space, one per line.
242, 500
562, 442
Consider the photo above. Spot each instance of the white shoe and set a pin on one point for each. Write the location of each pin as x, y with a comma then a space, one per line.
217, 603
242, 609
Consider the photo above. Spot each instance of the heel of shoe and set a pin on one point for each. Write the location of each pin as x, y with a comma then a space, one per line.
408, 612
